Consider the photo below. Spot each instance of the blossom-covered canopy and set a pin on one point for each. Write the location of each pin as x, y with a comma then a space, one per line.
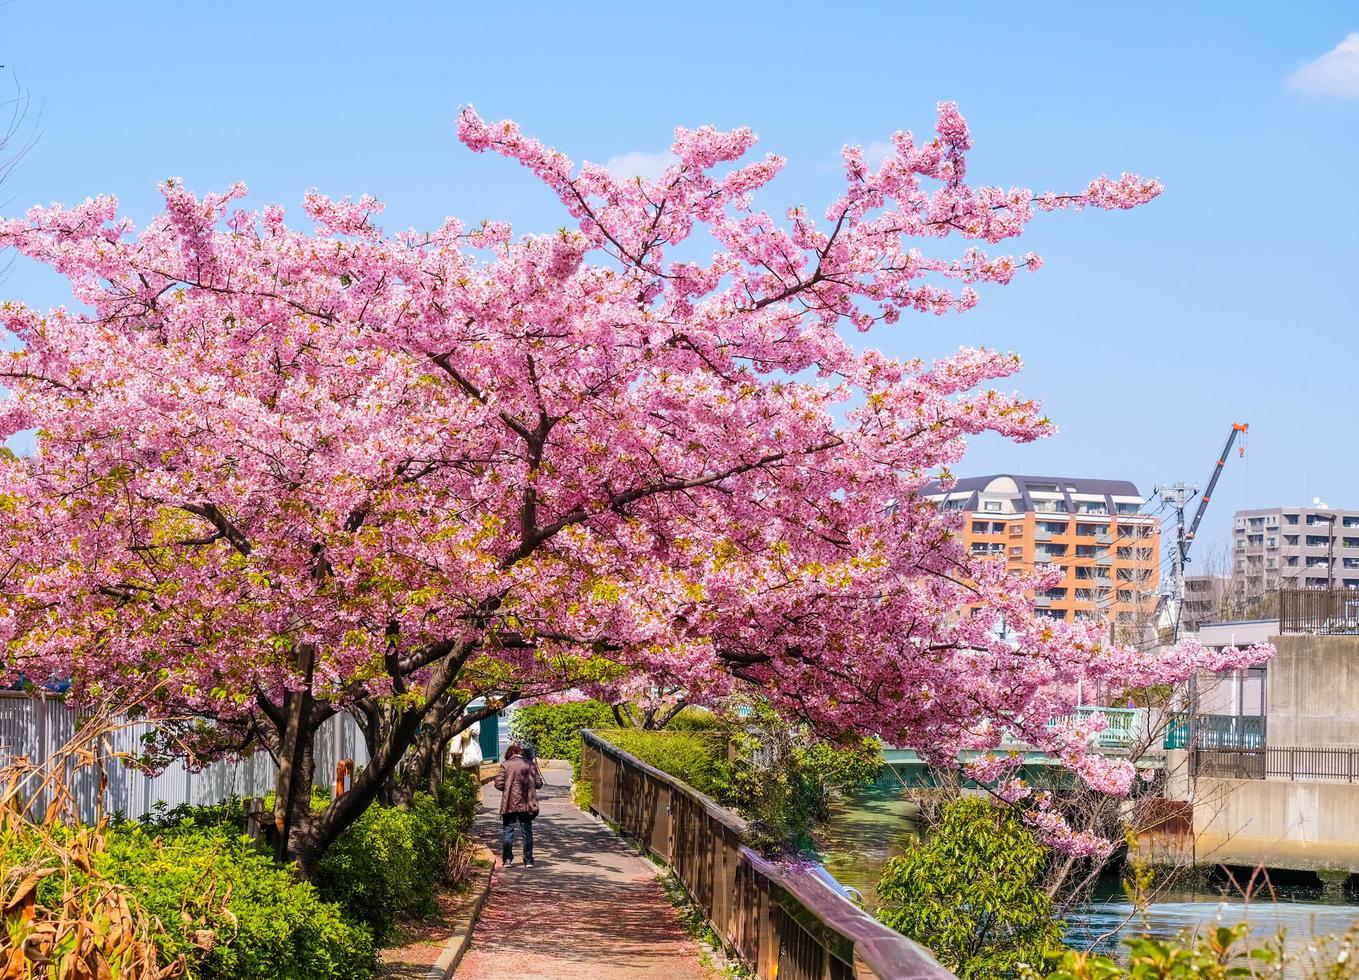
646, 439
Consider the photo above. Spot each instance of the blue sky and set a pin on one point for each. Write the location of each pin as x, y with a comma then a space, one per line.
1230, 298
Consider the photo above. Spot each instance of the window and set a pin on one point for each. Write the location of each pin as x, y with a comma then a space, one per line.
1292, 561
983, 548
1290, 539
1315, 560
1349, 521
981, 527
1351, 562
1058, 592
1126, 508
1051, 613
1016, 552
1314, 519
1092, 529
1051, 550
1290, 518
1052, 527
1016, 530
1273, 542
1317, 540
1091, 507
1091, 551
954, 504
1350, 542
991, 506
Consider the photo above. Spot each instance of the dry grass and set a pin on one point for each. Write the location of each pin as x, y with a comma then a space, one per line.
89, 930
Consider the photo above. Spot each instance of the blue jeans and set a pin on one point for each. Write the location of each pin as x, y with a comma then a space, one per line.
525, 823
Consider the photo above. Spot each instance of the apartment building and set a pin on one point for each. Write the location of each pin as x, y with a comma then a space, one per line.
1293, 547
1094, 530
1207, 599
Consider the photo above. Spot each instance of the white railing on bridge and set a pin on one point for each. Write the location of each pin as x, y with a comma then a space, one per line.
37, 726
1122, 726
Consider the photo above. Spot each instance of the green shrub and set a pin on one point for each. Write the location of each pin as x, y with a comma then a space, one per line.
459, 795
266, 923
972, 892
699, 759
694, 719
554, 729
1218, 953
387, 864
783, 779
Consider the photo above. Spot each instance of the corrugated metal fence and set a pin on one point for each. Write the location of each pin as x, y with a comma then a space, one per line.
782, 921
38, 726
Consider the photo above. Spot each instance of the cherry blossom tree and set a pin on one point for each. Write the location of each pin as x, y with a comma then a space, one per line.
285, 474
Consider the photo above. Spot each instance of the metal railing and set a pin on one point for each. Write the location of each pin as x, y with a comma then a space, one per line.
1297, 763
1121, 725
1207, 731
784, 922
1324, 611
37, 726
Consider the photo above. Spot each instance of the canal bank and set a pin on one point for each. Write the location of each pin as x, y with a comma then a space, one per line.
871, 827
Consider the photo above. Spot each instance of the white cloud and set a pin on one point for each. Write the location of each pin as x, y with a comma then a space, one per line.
1335, 73
648, 166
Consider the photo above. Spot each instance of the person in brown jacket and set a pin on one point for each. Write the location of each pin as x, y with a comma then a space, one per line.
518, 781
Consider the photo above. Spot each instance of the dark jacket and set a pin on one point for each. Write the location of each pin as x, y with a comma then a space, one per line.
518, 781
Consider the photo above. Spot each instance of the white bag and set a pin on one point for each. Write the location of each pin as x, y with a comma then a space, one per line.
471, 753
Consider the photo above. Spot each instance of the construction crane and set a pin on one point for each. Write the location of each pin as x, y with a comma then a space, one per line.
1177, 495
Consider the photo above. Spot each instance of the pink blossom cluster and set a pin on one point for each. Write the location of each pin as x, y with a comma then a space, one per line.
540, 461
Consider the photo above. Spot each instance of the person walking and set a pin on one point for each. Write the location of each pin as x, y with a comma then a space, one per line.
518, 781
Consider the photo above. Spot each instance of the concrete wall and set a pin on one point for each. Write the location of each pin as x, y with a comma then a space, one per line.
1313, 697
1305, 826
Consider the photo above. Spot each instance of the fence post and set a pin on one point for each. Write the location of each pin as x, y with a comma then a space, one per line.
1292, 764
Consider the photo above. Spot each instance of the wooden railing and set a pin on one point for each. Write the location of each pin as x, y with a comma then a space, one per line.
783, 922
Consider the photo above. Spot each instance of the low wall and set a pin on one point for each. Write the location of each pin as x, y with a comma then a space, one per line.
1313, 691
783, 922
1306, 826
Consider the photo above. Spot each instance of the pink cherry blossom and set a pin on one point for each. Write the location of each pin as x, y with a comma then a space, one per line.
382, 471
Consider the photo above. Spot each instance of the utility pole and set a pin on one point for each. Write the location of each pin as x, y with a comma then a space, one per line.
1172, 594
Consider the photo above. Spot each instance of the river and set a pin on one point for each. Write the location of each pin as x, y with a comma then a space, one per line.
869, 828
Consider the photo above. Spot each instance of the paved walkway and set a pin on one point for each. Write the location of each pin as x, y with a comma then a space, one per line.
589, 908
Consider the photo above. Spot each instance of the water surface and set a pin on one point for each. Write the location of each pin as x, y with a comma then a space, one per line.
870, 827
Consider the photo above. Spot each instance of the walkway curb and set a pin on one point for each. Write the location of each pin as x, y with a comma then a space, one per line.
456, 946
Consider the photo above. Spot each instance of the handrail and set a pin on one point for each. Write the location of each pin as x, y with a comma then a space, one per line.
783, 920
